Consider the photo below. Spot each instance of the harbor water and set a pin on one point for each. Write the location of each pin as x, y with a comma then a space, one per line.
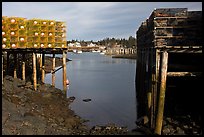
108, 82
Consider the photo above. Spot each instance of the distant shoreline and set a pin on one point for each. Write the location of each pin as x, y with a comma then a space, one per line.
125, 56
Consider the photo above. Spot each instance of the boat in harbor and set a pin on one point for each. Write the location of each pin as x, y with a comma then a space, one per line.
77, 51
74, 50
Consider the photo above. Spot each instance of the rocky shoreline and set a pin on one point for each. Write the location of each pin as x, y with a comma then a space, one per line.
45, 111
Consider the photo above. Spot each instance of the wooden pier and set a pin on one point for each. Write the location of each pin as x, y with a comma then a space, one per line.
169, 46
22, 37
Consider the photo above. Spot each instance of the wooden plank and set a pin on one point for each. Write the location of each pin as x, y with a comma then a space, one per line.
57, 69
181, 74
53, 69
161, 102
34, 72
170, 17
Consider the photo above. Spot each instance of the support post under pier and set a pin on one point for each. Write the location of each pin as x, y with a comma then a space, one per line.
64, 71
34, 72
161, 102
53, 70
43, 68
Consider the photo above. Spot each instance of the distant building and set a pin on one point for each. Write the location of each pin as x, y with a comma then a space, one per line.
77, 44
91, 45
70, 45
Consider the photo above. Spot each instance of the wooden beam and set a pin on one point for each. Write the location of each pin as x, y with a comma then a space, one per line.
181, 74
34, 72
161, 102
57, 69
53, 69
64, 71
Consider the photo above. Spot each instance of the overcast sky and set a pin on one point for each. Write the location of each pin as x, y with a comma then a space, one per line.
93, 20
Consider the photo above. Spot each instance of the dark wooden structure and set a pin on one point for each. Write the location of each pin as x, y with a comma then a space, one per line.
169, 51
41, 62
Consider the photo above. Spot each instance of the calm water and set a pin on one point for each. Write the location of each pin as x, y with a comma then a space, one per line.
108, 82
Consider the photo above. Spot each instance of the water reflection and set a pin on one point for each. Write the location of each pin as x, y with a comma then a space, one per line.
108, 82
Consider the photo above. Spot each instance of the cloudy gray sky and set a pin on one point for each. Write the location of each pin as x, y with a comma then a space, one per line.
93, 20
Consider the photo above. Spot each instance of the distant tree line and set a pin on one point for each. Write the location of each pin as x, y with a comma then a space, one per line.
110, 42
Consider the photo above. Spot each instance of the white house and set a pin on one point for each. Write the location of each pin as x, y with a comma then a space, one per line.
91, 45
70, 45
77, 44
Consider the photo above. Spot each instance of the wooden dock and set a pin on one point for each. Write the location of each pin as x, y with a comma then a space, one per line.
169, 44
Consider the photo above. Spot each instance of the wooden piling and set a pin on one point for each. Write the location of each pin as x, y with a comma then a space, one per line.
156, 85
53, 70
15, 66
43, 68
152, 88
2, 69
23, 67
34, 72
64, 71
161, 102
7, 63
40, 64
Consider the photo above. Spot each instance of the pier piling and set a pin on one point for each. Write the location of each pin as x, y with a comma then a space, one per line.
53, 70
64, 71
159, 119
34, 72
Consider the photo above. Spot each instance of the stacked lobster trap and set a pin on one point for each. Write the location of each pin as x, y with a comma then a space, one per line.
13, 32
34, 33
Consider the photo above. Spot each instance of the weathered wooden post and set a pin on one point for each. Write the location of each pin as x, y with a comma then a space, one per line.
15, 66
64, 71
2, 69
34, 72
23, 66
152, 87
40, 64
53, 70
7, 63
156, 84
43, 68
161, 102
